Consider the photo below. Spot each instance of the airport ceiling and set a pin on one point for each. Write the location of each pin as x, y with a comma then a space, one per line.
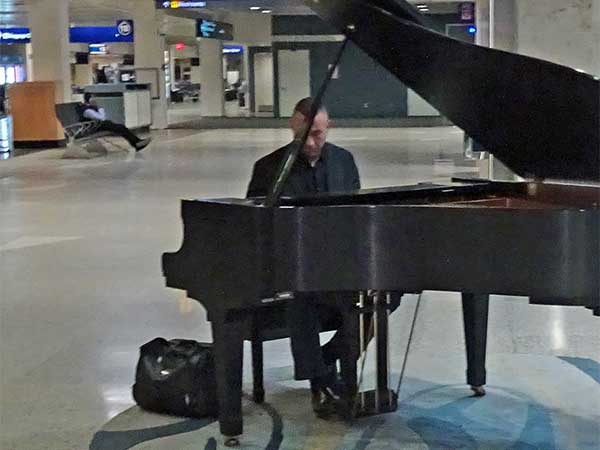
90, 12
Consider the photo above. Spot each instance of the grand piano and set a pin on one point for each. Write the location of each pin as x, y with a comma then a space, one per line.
538, 238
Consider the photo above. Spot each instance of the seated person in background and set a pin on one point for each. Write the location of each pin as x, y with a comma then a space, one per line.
242, 92
320, 167
91, 111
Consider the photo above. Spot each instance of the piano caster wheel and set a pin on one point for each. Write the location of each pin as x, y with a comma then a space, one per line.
232, 442
478, 391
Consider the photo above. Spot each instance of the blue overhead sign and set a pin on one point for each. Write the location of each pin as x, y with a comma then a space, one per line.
122, 32
179, 4
15, 35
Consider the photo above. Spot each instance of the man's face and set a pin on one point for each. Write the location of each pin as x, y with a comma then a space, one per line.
317, 136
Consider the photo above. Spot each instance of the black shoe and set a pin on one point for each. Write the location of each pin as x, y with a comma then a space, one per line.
329, 396
141, 145
335, 401
321, 406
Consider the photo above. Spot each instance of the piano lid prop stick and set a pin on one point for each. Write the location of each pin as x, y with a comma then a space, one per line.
364, 354
361, 304
388, 303
292, 154
376, 337
410, 337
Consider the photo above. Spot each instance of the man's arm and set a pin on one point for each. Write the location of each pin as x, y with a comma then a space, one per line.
351, 176
258, 186
354, 176
263, 174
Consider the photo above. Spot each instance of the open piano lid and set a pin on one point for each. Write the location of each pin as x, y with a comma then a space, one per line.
539, 118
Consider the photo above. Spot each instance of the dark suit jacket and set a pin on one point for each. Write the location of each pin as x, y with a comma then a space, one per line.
342, 174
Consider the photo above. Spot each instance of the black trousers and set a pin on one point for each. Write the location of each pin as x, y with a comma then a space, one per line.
307, 316
120, 130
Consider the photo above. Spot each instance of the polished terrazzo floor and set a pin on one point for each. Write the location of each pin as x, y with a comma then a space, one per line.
81, 289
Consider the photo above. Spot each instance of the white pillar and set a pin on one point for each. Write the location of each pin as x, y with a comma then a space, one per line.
563, 31
49, 23
596, 35
482, 21
497, 24
497, 28
29, 61
505, 25
150, 54
211, 69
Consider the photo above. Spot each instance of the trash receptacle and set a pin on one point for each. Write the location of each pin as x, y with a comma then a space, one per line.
6, 134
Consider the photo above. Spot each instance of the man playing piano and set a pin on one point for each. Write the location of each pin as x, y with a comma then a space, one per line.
321, 167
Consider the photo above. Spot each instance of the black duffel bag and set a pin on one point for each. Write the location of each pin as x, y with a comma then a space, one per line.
176, 377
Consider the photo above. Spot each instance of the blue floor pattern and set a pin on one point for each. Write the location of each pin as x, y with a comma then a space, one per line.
430, 417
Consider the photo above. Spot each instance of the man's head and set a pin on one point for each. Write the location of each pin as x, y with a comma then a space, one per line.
318, 133
87, 97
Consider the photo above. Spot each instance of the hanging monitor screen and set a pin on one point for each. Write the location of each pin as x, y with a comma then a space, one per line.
98, 49
214, 30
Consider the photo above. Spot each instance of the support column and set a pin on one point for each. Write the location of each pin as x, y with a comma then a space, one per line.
482, 21
29, 61
211, 69
150, 54
561, 31
49, 23
505, 25
497, 28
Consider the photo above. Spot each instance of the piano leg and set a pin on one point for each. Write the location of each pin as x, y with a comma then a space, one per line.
475, 317
258, 391
228, 337
348, 360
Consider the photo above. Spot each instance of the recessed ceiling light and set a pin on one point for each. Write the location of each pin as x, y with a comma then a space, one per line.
266, 11
422, 6
255, 8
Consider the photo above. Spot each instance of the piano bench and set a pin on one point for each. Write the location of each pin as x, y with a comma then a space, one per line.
268, 323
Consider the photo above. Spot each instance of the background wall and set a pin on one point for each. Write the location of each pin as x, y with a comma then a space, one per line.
364, 88
250, 29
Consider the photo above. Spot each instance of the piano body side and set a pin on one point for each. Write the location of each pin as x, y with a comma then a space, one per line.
224, 261
550, 254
